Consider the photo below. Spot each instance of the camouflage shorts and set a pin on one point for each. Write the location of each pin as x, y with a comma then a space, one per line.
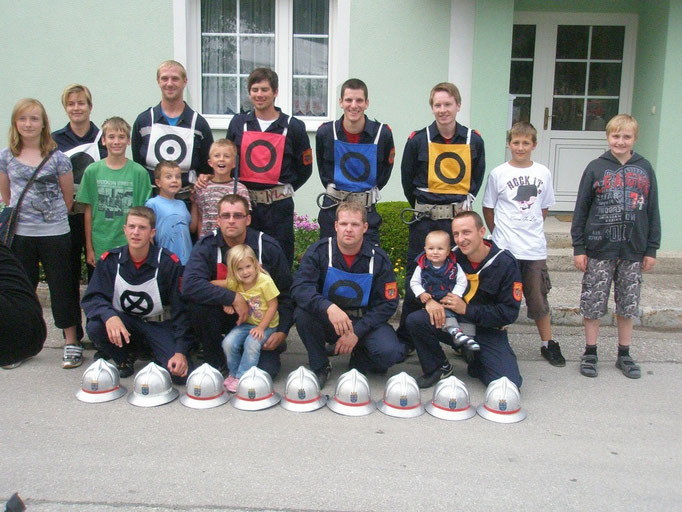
627, 279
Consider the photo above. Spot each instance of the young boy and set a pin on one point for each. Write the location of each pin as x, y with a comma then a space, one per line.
110, 188
172, 217
438, 274
517, 197
616, 231
221, 157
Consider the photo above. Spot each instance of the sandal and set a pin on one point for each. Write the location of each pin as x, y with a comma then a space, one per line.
588, 365
628, 366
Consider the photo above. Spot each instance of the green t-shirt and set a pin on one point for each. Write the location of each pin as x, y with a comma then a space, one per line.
111, 193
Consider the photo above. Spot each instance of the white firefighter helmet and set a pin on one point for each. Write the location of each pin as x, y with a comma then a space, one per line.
204, 389
100, 383
451, 400
152, 387
502, 402
255, 391
302, 392
402, 398
352, 396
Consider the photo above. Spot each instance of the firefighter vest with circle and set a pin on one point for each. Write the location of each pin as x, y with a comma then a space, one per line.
138, 299
261, 156
81, 156
449, 170
221, 268
474, 279
355, 165
346, 289
173, 144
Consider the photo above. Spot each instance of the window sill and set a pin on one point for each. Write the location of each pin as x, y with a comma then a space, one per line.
223, 122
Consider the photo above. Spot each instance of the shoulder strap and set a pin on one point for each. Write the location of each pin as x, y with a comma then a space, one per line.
33, 178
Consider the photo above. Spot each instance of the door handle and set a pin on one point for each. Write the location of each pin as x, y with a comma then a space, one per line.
547, 117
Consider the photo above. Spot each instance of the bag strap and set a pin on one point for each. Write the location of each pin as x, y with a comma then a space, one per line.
33, 178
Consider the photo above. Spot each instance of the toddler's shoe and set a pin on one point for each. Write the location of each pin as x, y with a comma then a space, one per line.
231, 384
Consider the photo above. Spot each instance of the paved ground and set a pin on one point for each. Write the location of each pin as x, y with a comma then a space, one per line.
606, 444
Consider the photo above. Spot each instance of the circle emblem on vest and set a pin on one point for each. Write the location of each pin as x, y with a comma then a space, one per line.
340, 294
171, 148
439, 161
136, 303
269, 162
79, 162
348, 173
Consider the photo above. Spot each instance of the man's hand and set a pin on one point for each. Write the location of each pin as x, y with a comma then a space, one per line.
580, 262
346, 343
177, 365
340, 320
116, 330
274, 341
436, 313
241, 308
648, 263
454, 303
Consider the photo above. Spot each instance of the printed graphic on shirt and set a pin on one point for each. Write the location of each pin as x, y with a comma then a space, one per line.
525, 191
114, 198
46, 197
617, 196
255, 307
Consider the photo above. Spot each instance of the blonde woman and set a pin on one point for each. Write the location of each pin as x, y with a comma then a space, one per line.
42, 233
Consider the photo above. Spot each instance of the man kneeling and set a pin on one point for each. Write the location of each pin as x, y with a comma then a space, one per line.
128, 298
345, 292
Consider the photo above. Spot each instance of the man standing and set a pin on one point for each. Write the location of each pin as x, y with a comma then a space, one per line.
345, 292
492, 301
128, 298
172, 131
206, 271
355, 159
275, 159
442, 171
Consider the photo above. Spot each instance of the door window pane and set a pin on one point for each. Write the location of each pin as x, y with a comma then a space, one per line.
521, 110
572, 41
607, 42
599, 112
521, 80
567, 114
569, 78
604, 79
523, 41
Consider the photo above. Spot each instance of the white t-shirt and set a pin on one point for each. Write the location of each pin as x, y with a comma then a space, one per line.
518, 195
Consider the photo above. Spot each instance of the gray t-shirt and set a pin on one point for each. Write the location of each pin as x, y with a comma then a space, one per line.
43, 211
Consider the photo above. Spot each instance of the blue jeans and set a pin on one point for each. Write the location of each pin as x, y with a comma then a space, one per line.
238, 340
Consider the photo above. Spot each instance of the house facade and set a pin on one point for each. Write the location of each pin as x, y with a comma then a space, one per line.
565, 66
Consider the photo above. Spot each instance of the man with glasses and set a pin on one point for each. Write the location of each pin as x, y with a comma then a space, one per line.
205, 274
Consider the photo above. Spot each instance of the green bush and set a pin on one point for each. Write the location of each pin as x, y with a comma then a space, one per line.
394, 238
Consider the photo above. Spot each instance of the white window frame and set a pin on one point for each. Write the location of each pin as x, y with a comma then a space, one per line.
187, 50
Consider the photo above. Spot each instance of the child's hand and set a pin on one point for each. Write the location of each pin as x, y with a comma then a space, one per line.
90, 256
229, 310
258, 333
425, 297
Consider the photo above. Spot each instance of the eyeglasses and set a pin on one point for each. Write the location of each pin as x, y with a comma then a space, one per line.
230, 215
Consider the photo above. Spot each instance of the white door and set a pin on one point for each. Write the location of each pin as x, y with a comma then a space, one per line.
570, 73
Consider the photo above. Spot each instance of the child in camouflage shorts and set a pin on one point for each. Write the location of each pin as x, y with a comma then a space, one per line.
616, 231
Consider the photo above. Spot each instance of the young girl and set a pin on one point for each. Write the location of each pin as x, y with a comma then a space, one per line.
255, 285
42, 233
221, 157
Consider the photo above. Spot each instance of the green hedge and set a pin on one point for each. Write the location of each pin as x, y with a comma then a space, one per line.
394, 238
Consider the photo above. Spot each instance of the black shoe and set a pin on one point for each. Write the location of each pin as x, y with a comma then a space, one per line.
126, 368
323, 374
426, 381
101, 355
553, 354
